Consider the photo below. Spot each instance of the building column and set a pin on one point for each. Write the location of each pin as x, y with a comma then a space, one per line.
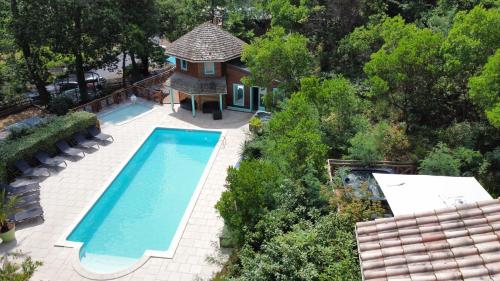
192, 106
220, 102
172, 99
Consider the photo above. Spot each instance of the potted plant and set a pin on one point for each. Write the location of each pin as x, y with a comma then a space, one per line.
255, 125
7, 209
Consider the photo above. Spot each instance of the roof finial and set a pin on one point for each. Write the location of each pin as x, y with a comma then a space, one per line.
217, 17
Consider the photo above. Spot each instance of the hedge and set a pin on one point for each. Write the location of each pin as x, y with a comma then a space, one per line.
42, 138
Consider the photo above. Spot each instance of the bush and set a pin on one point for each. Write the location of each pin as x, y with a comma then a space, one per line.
464, 134
460, 161
60, 105
17, 268
253, 149
295, 141
20, 131
381, 142
321, 251
43, 138
440, 161
249, 194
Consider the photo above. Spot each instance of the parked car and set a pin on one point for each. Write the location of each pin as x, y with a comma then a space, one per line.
74, 94
93, 80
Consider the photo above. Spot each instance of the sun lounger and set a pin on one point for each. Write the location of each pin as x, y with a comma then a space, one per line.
20, 190
31, 212
83, 142
25, 201
45, 159
65, 149
98, 135
19, 182
29, 171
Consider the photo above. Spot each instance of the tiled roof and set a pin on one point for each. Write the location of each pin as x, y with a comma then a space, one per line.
195, 86
459, 243
207, 42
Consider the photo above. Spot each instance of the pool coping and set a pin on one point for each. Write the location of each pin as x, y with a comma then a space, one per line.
150, 105
168, 254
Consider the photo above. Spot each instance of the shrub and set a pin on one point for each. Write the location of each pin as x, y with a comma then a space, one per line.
381, 142
460, 161
253, 149
321, 251
295, 139
465, 134
11, 269
60, 105
440, 161
43, 138
249, 195
20, 131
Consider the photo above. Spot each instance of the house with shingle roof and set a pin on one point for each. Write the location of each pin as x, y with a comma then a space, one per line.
209, 70
455, 243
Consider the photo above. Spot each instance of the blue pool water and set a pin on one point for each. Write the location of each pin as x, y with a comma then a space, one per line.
142, 208
124, 113
171, 60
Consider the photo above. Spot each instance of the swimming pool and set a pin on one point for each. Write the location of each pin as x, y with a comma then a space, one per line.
171, 60
146, 206
124, 114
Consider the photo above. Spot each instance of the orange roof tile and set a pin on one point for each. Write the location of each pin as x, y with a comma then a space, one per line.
457, 243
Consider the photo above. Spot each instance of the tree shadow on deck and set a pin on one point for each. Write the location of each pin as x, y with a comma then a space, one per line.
230, 119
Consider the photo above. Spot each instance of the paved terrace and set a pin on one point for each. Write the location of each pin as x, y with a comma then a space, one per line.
65, 194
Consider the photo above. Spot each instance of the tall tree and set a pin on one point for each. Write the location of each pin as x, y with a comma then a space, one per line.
405, 72
485, 89
29, 28
474, 36
278, 59
88, 31
138, 29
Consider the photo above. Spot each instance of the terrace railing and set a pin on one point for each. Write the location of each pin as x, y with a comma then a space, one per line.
14, 106
141, 88
399, 167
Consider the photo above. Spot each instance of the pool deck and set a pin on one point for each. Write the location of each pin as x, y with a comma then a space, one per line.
67, 192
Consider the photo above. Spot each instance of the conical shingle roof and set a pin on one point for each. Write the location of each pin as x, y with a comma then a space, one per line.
206, 42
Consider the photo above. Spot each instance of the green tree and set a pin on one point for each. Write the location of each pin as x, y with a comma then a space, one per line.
295, 139
288, 14
330, 21
355, 50
278, 59
325, 250
474, 36
404, 75
380, 142
484, 89
12, 72
459, 161
89, 32
137, 30
340, 110
29, 28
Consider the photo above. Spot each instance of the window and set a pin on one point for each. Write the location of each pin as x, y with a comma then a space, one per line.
238, 95
184, 65
209, 68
